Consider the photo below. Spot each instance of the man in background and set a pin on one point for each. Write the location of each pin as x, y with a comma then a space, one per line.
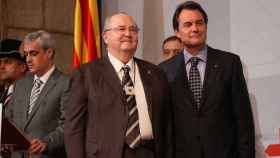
12, 67
171, 46
212, 110
39, 99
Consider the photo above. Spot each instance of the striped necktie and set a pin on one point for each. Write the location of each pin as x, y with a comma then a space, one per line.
133, 131
34, 94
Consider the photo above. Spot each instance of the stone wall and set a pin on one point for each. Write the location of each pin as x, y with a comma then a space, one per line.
19, 17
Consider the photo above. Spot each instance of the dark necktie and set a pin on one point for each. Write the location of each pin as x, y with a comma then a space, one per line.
133, 131
195, 81
34, 94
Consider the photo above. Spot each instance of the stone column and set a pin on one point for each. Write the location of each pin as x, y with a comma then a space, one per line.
153, 32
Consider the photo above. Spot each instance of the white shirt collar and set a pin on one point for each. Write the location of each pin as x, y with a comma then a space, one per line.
10, 89
46, 76
202, 55
117, 64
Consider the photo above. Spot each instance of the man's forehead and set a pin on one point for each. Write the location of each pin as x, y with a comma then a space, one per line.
121, 20
187, 14
30, 46
172, 44
8, 59
4, 58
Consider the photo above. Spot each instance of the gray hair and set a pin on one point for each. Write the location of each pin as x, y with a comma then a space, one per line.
106, 23
108, 20
44, 38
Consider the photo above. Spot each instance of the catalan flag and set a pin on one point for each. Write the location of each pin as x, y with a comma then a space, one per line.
87, 45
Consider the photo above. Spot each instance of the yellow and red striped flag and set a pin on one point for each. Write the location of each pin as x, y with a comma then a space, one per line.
87, 45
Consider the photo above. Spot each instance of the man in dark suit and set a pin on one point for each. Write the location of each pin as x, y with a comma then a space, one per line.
119, 105
212, 110
38, 102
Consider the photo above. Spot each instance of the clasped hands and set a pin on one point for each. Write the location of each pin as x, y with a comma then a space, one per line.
37, 146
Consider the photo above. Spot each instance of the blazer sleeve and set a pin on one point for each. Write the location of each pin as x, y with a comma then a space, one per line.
55, 139
243, 113
169, 134
166, 120
76, 117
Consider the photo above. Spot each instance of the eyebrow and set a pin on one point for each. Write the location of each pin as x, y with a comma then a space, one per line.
126, 26
192, 21
31, 51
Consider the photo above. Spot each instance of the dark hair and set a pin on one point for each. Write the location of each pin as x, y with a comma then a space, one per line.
171, 38
188, 5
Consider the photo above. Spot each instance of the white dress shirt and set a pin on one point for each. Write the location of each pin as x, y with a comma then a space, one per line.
201, 66
145, 123
45, 77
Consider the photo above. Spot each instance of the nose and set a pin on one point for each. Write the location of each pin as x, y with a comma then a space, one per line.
195, 28
127, 32
28, 58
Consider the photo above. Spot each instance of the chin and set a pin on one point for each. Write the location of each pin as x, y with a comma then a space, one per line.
32, 71
194, 45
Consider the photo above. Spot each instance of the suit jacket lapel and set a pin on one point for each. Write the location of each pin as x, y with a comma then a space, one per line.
111, 77
184, 91
212, 68
145, 75
26, 96
48, 86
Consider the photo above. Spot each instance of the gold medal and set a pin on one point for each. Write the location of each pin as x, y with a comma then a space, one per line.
129, 90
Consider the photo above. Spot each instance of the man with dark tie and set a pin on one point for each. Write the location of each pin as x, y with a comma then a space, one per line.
39, 99
119, 105
212, 110
12, 67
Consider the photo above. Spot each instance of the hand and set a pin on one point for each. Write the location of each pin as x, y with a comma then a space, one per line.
5, 151
37, 146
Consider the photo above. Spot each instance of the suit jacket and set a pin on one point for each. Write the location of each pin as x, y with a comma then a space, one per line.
97, 117
223, 127
47, 117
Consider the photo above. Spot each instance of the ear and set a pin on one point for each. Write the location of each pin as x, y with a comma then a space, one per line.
105, 37
50, 53
23, 67
177, 33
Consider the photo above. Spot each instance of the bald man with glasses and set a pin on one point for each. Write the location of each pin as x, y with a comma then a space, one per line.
119, 105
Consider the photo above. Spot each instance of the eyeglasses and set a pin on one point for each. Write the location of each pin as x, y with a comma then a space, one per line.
122, 30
